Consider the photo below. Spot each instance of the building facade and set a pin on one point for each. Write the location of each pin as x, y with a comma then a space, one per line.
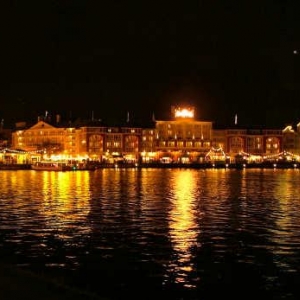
96, 143
182, 139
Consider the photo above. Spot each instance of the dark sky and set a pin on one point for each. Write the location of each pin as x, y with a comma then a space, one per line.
104, 58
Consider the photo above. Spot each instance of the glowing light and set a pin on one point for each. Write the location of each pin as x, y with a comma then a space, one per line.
288, 128
184, 112
183, 227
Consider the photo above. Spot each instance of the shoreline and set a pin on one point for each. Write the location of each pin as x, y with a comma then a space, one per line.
217, 165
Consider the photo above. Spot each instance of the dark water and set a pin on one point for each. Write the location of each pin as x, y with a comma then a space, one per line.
157, 233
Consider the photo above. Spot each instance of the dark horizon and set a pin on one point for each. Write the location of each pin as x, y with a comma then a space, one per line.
120, 119
110, 59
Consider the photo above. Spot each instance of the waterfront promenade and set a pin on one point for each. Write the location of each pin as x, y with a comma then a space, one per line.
208, 165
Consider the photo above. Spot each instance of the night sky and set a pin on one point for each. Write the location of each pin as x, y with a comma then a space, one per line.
107, 58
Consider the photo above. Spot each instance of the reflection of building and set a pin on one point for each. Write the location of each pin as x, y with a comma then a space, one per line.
183, 227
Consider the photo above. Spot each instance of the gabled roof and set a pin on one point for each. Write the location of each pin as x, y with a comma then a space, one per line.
42, 125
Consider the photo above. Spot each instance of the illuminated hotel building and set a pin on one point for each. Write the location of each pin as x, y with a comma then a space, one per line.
94, 142
148, 145
182, 139
107, 143
254, 141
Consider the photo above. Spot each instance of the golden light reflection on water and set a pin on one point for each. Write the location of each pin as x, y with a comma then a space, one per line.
287, 217
116, 193
169, 225
60, 199
182, 224
285, 188
66, 196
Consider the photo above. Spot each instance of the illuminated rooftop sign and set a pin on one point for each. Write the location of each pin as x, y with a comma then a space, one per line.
184, 112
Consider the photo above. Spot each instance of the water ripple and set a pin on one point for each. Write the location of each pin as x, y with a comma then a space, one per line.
175, 231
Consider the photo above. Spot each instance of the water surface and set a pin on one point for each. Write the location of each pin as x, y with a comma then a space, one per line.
172, 233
